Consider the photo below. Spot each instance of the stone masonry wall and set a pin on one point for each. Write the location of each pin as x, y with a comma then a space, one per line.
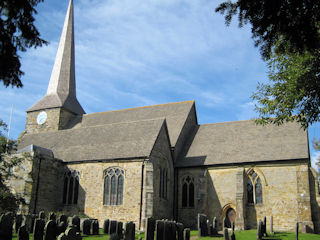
92, 189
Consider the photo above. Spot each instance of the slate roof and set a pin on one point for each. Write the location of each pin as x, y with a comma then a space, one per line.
244, 141
174, 113
99, 142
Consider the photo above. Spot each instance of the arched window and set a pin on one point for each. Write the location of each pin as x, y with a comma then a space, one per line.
113, 186
254, 188
163, 184
70, 188
188, 191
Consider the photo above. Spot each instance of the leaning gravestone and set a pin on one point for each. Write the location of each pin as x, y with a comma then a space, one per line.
150, 227
186, 234
180, 228
38, 229
76, 222
94, 227
18, 222
159, 230
130, 231
50, 230
86, 226
23, 233
112, 227
106, 226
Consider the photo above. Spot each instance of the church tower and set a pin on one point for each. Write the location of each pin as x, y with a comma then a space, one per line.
60, 103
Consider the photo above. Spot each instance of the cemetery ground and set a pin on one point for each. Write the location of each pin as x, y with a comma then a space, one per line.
240, 235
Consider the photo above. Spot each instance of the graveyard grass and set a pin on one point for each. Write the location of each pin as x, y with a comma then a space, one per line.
240, 235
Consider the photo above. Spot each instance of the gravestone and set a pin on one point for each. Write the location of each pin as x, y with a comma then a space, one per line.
167, 235
119, 229
106, 226
214, 227
76, 222
202, 225
23, 233
264, 226
259, 233
130, 231
86, 226
42, 215
112, 227
6, 226
38, 229
62, 218
225, 234
297, 231
61, 227
209, 227
114, 236
150, 228
52, 216
271, 225
186, 234
94, 227
180, 228
18, 222
50, 230
159, 230
70, 234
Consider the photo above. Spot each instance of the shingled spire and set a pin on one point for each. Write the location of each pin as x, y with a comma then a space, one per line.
61, 91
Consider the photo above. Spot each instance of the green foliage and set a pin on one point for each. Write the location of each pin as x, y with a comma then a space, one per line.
293, 91
17, 33
295, 21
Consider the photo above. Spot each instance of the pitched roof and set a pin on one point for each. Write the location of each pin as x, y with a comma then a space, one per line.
99, 142
174, 113
244, 141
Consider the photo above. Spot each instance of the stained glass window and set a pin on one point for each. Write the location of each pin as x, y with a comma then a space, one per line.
250, 191
254, 188
113, 186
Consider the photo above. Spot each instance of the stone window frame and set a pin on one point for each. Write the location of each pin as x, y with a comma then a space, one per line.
163, 183
115, 199
255, 178
70, 195
184, 180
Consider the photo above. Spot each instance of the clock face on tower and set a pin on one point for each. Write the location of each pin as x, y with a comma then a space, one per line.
41, 118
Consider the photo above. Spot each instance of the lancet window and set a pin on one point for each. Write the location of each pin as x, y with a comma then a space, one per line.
113, 186
188, 191
163, 184
254, 188
70, 188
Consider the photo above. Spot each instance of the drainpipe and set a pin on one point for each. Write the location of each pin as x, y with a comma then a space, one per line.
141, 195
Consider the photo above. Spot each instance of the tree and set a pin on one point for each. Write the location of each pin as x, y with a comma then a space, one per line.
8, 201
288, 34
17, 33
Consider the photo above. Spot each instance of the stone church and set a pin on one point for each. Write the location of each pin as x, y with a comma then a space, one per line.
157, 161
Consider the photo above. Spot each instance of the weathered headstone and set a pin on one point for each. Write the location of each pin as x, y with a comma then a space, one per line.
86, 226
6, 226
106, 226
94, 227
38, 229
42, 215
112, 227
76, 222
18, 222
114, 236
50, 230
61, 227
180, 228
159, 230
173, 230
62, 218
150, 228
271, 225
209, 227
130, 231
70, 234
214, 227
259, 233
225, 234
264, 226
297, 231
23, 233
119, 230
52, 216
202, 225
167, 231
186, 234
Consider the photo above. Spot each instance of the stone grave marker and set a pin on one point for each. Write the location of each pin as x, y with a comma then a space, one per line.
264, 226
42, 215
130, 231
259, 233
119, 229
76, 222
208, 227
112, 227
18, 222
214, 230
225, 234
106, 226
297, 231
95, 227
271, 225
159, 229
180, 228
186, 234
50, 230
150, 228
23, 233
6, 226
70, 234
52, 216
202, 225
38, 229
86, 226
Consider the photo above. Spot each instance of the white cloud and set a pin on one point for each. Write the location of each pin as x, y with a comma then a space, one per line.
315, 157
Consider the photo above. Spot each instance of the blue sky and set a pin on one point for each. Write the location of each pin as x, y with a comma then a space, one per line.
133, 53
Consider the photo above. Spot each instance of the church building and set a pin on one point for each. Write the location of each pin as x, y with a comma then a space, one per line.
157, 161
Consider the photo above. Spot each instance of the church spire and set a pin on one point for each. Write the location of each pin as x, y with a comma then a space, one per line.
62, 86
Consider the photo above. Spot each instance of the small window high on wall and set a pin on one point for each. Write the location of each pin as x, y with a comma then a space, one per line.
188, 191
254, 188
70, 188
113, 186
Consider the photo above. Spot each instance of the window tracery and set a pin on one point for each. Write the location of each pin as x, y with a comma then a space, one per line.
254, 188
113, 186
70, 187
188, 191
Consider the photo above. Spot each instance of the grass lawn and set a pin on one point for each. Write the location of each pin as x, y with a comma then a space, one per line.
240, 235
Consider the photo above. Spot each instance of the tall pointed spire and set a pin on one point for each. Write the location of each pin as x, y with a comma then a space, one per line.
62, 86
